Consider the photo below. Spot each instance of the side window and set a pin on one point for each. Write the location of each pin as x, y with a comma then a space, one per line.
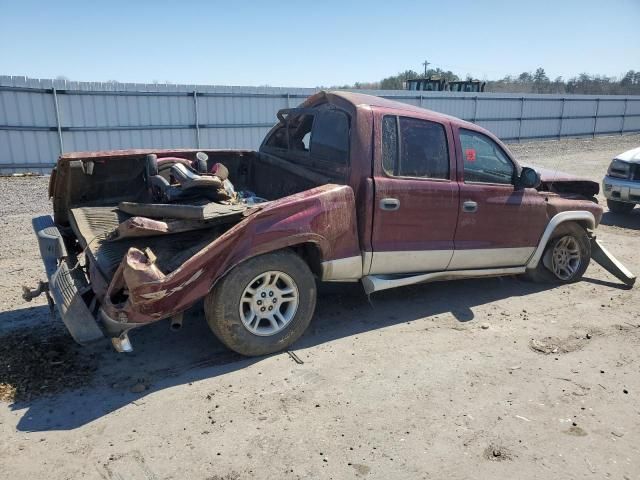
484, 160
414, 148
330, 137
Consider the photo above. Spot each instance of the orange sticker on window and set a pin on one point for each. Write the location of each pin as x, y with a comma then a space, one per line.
470, 154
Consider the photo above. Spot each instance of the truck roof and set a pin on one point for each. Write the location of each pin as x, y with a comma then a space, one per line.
362, 99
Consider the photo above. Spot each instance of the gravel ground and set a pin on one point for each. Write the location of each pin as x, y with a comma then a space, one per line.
581, 156
489, 378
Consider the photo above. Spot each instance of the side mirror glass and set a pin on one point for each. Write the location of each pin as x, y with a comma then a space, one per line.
529, 178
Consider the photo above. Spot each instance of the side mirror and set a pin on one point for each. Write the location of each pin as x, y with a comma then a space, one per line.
529, 178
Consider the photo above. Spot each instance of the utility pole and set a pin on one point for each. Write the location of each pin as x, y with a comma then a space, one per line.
425, 63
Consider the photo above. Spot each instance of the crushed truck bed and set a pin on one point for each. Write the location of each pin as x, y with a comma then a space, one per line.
93, 226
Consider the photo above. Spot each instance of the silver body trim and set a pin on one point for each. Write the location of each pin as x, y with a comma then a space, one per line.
375, 283
572, 216
347, 269
490, 257
367, 259
410, 261
374, 269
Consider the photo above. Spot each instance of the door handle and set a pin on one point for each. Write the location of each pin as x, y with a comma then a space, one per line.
469, 206
389, 204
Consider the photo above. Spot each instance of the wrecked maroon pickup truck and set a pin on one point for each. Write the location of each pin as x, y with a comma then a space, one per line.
345, 188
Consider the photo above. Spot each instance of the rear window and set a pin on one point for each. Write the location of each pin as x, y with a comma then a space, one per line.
330, 137
315, 134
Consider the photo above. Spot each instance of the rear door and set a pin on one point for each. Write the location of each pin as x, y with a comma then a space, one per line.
416, 196
499, 225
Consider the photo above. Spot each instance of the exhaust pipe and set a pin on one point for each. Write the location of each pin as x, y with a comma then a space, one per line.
176, 322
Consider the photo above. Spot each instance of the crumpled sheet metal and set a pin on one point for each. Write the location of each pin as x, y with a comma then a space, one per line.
140, 227
204, 212
139, 267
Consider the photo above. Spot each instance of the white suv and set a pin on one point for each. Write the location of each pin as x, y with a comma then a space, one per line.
621, 185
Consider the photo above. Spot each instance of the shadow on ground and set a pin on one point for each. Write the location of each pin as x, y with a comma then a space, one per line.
629, 220
163, 359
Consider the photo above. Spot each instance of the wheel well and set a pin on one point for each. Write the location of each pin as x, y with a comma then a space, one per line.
563, 227
584, 224
311, 254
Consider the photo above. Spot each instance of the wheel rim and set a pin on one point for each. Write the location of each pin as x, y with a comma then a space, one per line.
565, 258
269, 303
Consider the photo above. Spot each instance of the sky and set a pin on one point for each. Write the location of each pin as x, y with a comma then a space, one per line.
310, 44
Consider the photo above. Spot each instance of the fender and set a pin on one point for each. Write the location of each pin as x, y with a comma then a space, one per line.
562, 217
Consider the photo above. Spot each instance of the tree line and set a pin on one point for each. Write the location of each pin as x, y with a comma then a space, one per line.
526, 82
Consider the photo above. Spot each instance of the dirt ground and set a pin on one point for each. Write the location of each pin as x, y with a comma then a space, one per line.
490, 378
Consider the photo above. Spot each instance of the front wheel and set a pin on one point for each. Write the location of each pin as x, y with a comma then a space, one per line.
263, 305
565, 258
619, 207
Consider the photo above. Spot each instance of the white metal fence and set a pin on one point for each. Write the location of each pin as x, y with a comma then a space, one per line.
41, 118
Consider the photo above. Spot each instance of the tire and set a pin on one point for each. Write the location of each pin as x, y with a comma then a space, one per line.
231, 320
619, 207
567, 237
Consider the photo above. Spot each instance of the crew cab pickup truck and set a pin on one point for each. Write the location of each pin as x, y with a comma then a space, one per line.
345, 188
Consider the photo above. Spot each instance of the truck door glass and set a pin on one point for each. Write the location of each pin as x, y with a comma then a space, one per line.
484, 160
421, 146
390, 145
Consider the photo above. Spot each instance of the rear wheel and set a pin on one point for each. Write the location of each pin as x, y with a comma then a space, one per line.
619, 207
565, 258
263, 305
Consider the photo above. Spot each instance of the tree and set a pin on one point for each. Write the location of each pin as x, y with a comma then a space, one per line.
396, 82
630, 78
540, 76
525, 77
540, 80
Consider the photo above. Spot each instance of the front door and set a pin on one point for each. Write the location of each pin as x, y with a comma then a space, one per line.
416, 197
499, 225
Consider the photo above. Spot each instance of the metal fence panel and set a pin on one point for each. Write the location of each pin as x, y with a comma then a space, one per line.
41, 118
540, 128
502, 129
542, 107
611, 107
458, 107
578, 126
580, 108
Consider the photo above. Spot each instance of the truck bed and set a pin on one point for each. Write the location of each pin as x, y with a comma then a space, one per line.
93, 225
85, 204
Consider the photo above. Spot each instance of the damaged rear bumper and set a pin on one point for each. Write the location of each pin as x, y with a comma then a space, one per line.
68, 284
